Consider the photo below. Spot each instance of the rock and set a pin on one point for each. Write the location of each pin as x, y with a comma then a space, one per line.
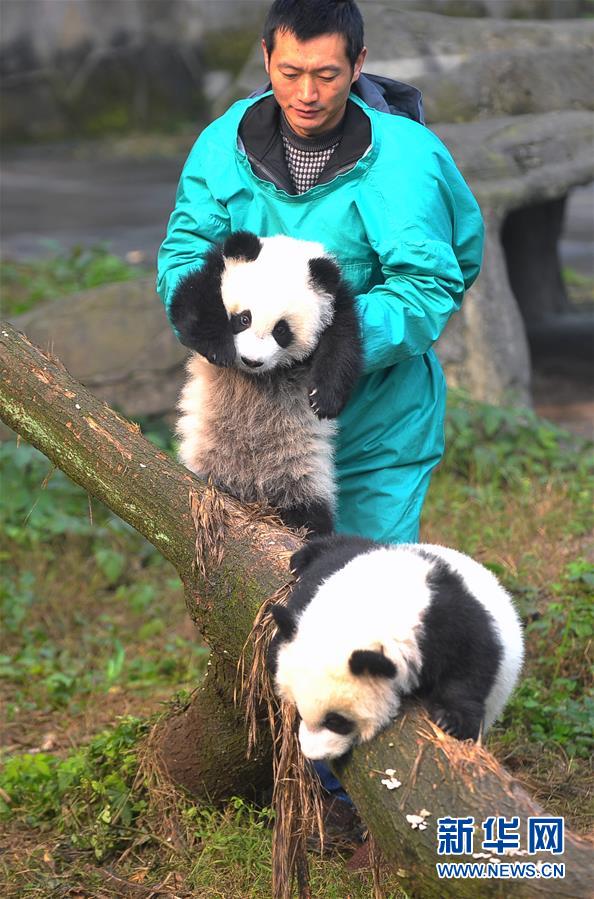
502, 9
521, 170
117, 341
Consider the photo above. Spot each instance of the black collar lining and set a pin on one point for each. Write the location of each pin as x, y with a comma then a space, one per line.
260, 134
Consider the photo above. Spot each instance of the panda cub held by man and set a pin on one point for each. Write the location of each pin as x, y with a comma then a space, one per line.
277, 352
367, 625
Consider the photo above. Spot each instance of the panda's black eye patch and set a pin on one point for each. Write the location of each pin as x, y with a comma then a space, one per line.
337, 723
282, 333
240, 321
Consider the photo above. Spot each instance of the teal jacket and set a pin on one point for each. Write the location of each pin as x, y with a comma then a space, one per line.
408, 234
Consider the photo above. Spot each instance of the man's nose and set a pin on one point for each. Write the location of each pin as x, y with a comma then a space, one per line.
308, 91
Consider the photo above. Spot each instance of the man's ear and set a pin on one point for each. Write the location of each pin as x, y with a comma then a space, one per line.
358, 64
267, 57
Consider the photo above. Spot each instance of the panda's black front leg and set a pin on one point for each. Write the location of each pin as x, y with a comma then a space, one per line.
337, 361
316, 517
199, 315
457, 713
338, 549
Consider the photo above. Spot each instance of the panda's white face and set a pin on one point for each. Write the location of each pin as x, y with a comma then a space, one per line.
355, 652
276, 312
333, 720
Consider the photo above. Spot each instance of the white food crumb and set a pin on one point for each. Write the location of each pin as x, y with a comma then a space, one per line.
391, 783
418, 821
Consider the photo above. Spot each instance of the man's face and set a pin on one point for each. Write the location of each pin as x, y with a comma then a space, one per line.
311, 80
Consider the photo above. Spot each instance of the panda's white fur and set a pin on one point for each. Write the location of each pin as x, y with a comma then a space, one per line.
355, 597
277, 353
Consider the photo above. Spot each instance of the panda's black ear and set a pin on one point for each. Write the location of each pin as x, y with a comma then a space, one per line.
242, 245
324, 275
284, 621
368, 661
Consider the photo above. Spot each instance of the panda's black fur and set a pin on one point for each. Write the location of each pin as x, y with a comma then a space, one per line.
276, 354
367, 625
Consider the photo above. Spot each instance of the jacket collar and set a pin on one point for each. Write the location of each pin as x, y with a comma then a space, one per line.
391, 96
260, 135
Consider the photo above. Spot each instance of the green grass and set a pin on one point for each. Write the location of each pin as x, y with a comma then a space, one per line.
96, 641
580, 288
91, 613
25, 284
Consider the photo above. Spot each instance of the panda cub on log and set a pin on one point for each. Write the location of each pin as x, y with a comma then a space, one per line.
277, 353
368, 624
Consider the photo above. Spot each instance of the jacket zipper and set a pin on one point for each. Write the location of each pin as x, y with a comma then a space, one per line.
272, 177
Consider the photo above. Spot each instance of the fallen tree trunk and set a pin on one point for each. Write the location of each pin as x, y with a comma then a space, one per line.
242, 560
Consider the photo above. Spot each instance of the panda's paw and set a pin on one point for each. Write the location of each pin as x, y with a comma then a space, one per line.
303, 558
217, 353
445, 720
325, 401
224, 358
455, 723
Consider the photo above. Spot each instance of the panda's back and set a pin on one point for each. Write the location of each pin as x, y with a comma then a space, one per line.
490, 595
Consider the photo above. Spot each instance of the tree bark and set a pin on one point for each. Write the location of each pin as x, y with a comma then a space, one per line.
242, 559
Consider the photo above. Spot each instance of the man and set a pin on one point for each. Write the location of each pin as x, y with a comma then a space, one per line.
321, 157
314, 160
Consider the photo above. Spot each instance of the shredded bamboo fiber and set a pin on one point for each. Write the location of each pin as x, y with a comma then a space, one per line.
210, 521
375, 863
296, 797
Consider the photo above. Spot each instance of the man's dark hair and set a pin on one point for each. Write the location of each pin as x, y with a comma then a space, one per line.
307, 19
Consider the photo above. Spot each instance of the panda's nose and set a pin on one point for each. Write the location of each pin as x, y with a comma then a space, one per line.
251, 363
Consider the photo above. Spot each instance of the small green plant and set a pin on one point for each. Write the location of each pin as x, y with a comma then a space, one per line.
555, 702
236, 838
580, 287
89, 794
499, 446
24, 284
104, 628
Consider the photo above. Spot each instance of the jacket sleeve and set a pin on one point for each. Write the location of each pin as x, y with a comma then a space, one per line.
198, 221
427, 231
